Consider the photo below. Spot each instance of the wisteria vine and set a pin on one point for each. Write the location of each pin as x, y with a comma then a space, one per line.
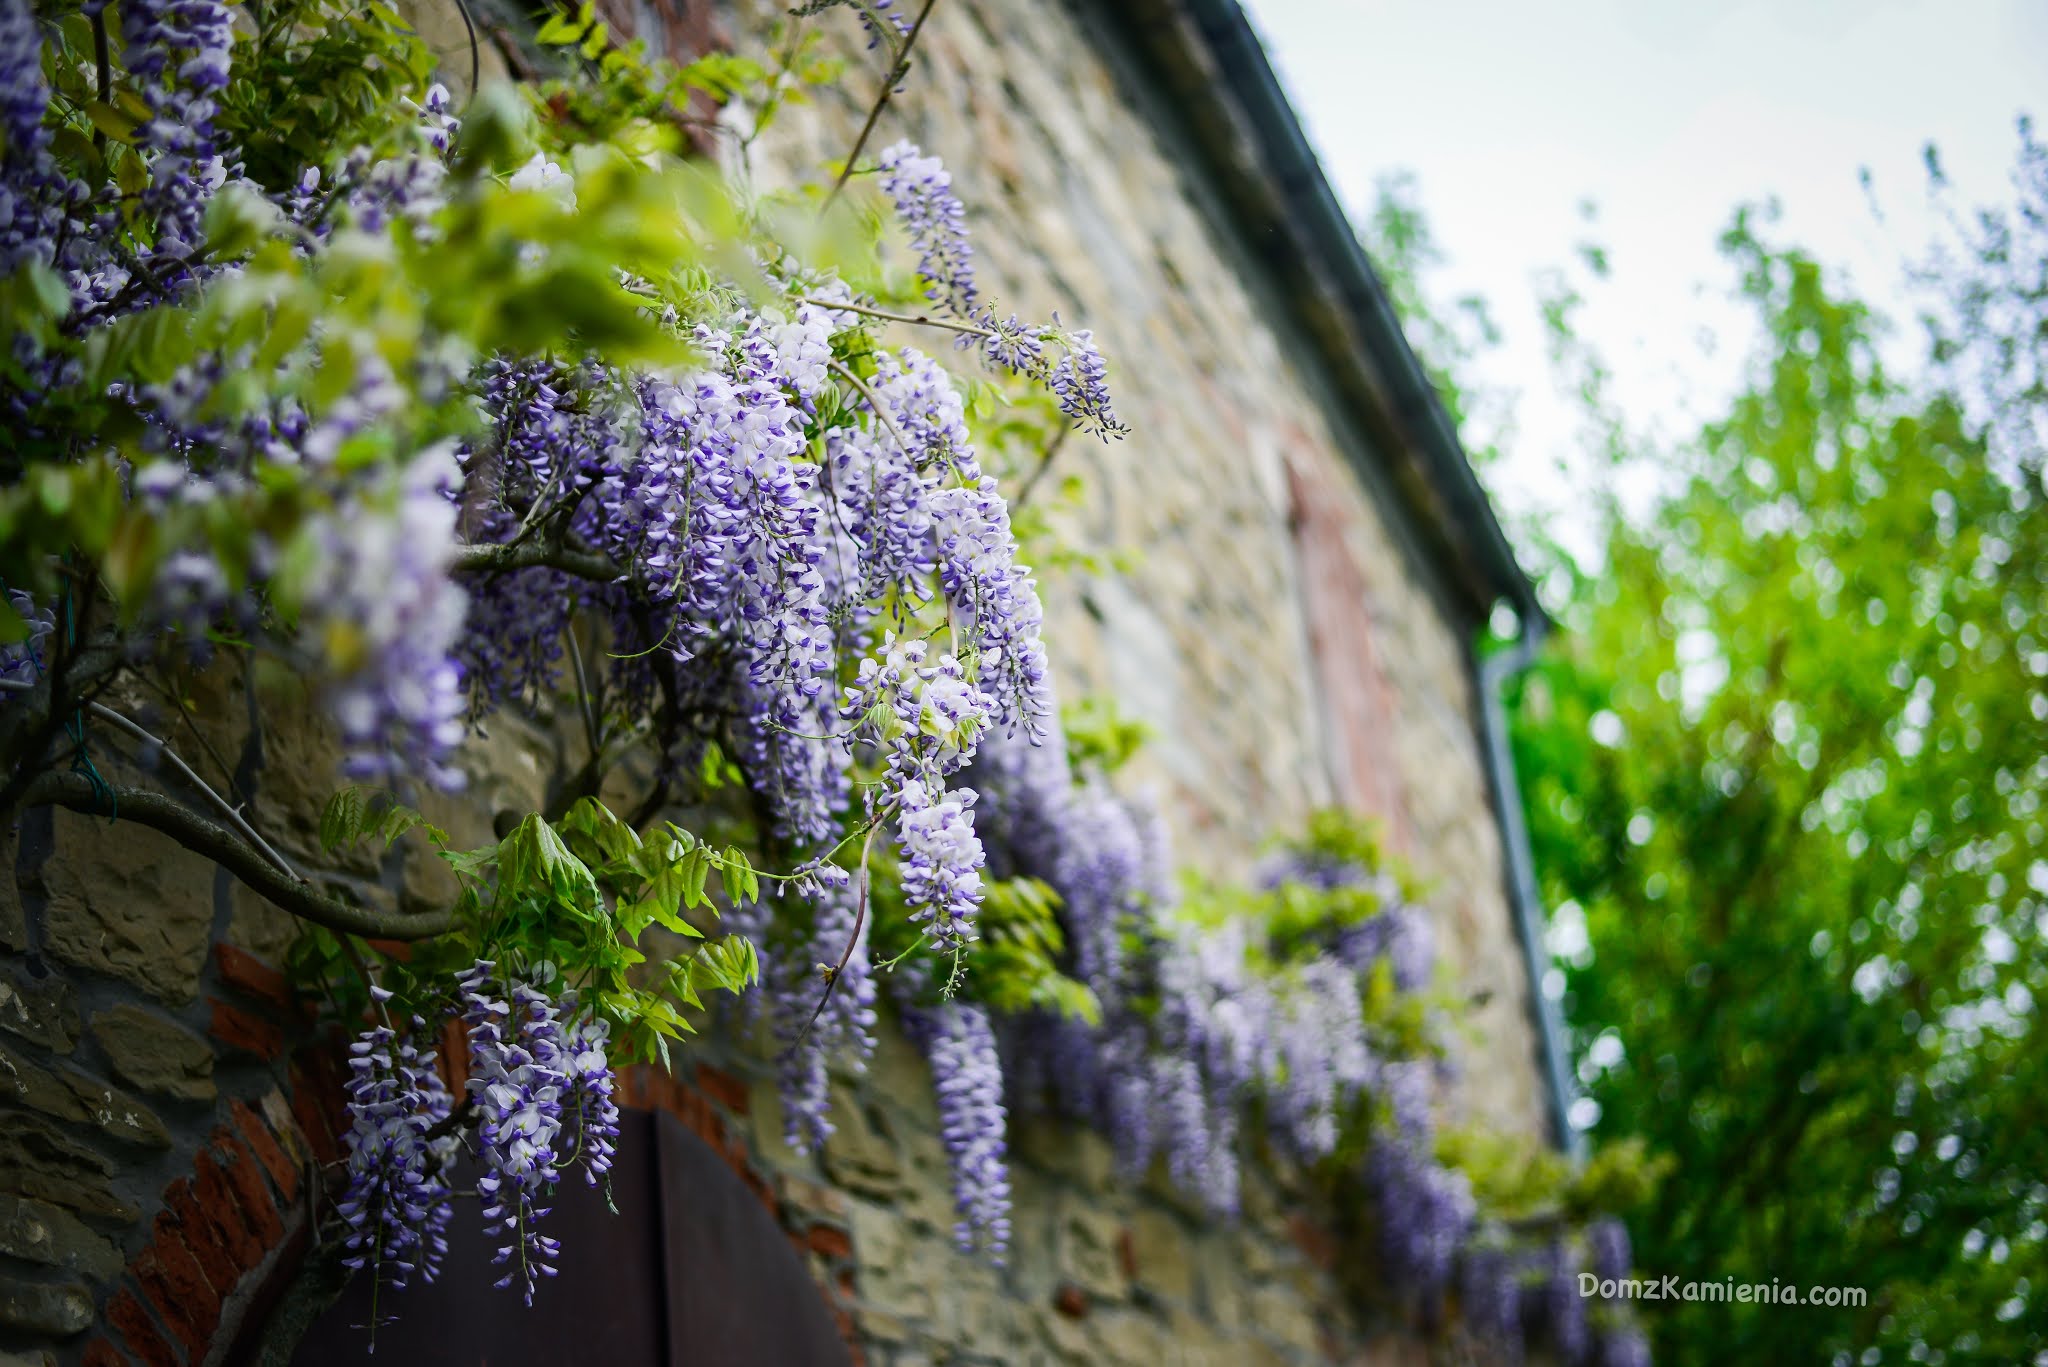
465, 413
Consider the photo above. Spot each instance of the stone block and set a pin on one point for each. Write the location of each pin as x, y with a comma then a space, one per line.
1131, 1338
38, 1232
61, 1308
863, 1155
40, 1160
897, 1271
1088, 1238
133, 904
1160, 1252
155, 1054
13, 916
42, 1010
260, 926
1282, 1315
67, 1094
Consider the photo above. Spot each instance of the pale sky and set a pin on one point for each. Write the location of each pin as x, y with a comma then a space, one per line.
1666, 116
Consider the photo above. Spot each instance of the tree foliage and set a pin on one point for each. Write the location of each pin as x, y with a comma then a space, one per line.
1786, 761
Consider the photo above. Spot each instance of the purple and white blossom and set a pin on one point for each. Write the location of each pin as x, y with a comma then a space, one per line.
967, 1074
382, 601
921, 189
941, 862
397, 1202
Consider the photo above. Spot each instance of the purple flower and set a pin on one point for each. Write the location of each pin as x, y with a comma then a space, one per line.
941, 862
1080, 381
921, 189
397, 1202
967, 1074
1490, 1297
382, 602
1623, 1346
813, 1028
1425, 1211
1608, 1247
543, 1098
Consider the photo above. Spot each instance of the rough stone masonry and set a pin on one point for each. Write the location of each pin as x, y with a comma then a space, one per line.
163, 1115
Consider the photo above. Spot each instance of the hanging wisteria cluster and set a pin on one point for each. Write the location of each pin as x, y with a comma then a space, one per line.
537, 1103
1209, 1027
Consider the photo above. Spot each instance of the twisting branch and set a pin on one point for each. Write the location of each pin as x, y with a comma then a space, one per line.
881, 413
896, 75
494, 557
228, 809
202, 835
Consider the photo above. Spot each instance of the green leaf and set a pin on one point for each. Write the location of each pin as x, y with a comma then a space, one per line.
593, 829
110, 121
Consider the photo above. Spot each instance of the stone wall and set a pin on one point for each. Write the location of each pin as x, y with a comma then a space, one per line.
1264, 526
162, 1109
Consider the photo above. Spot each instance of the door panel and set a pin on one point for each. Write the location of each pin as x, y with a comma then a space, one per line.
691, 1272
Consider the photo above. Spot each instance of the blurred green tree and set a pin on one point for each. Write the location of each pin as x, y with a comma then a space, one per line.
1785, 763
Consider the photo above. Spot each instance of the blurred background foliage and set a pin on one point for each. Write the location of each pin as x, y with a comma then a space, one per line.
1784, 763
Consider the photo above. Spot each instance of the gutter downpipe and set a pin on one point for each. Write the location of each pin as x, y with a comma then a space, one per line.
1494, 673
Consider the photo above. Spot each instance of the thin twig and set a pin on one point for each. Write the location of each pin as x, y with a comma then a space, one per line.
896, 75
1044, 463
860, 914
228, 809
585, 702
881, 414
227, 771
475, 58
103, 71
921, 319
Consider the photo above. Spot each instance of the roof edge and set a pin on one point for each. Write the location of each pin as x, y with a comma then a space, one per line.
1203, 49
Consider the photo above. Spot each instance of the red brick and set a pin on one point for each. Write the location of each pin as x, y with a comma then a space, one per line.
833, 1243
139, 1333
172, 1282
722, 1087
102, 1353
238, 1029
221, 1211
317, 1104
245, 1175
245, 972
454, 1059
188, 1224
1071, 1301
1314, 1241
261, 1143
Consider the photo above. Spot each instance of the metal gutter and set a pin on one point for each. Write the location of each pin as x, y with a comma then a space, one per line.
1494, 672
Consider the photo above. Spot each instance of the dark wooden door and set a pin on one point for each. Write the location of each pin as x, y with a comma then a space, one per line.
691, 1272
